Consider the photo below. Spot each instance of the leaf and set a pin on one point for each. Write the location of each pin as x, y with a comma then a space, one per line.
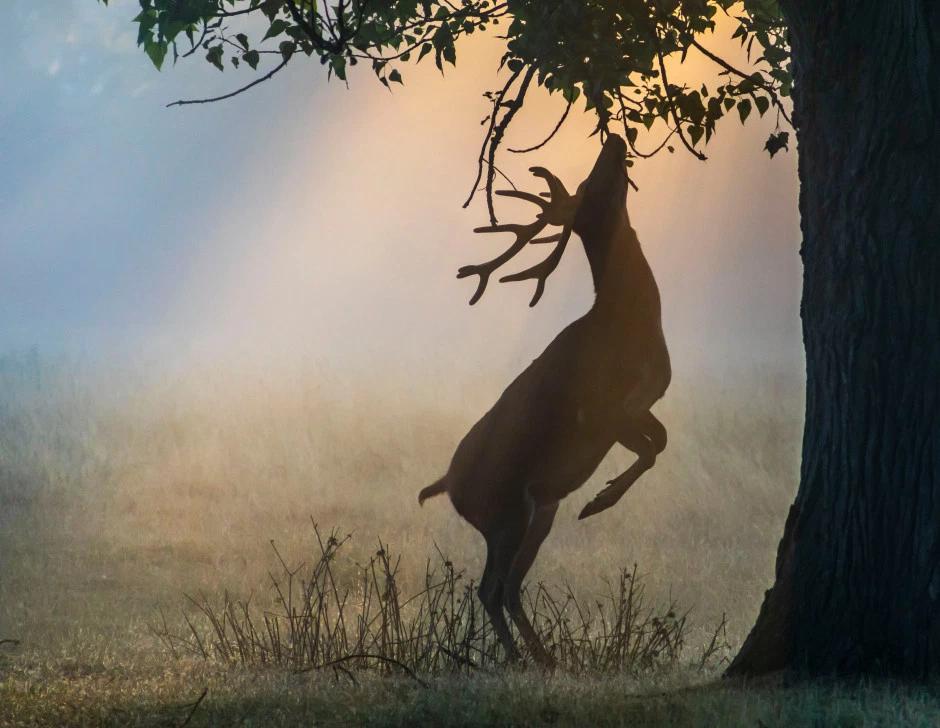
598, 51
571, 93
214, 56
778, 142
443, 41
156, 51
277, 27
338, 62
287, 48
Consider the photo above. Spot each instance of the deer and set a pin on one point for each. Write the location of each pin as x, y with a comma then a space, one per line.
591, 388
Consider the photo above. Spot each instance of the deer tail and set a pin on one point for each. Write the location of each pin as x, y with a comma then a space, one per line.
432, 490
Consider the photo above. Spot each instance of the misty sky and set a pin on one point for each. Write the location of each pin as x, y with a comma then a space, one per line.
306, 220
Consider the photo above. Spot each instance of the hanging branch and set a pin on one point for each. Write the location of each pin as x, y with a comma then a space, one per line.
265, 77
672, 103
558, 126
497, 103
767, 88
630, 142
497, 138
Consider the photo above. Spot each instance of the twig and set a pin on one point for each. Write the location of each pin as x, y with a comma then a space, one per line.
381, 658
194, 707
547, 139
462, 660
774, 97
672, 103
497, 103
503, 175
497, 137
14, 643
223, 97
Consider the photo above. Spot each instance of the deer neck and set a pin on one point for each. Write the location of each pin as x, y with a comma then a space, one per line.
621, 274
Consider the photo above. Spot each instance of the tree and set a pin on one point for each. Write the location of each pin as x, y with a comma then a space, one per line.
857, 586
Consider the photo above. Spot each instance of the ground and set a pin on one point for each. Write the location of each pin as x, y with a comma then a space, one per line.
155, 694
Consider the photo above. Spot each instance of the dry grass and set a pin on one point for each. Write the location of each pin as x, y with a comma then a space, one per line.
322, 616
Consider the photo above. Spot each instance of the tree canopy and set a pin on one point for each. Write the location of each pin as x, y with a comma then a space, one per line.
611, 56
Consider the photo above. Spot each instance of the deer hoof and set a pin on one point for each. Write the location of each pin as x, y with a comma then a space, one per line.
602, 501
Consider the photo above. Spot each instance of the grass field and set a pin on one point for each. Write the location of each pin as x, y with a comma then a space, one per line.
121, 492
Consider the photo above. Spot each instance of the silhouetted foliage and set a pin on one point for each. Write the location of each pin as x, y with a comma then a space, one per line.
609, 56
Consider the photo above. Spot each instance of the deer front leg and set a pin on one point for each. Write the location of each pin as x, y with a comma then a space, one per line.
645, 436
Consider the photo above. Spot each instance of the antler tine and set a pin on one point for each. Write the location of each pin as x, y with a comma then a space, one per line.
557, 209
555, 186
541, 271
547, 239
524, 234
527, 196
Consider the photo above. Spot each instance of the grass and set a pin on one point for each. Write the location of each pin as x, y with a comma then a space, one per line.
120, 492
324, 615
161, 694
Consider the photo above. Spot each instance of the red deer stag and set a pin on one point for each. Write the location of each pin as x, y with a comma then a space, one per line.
592, 387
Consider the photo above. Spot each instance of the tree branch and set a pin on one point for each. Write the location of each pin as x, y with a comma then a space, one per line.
489, 133
497, 138
672, 103
310, 29
549, 137
265, 77
731, 69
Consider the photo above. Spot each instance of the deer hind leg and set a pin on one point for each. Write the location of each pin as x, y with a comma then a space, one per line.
539, 528
503, 541
645, 436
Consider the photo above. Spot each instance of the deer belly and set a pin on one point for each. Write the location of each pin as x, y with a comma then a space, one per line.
566, 467
647, 391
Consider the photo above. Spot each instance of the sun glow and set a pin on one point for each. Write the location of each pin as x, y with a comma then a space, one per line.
348, 251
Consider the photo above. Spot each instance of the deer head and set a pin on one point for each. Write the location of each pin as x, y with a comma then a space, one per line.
592, 211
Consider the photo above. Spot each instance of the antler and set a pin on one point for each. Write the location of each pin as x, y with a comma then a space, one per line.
559, 209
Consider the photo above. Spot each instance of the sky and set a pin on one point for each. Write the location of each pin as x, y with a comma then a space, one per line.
309, 221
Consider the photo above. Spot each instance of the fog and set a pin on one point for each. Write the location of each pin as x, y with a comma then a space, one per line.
310, 224
221, 321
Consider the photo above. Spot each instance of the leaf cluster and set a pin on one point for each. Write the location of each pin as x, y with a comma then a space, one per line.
615, 56
612, 56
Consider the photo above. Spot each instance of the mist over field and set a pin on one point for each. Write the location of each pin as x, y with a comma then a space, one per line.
120, 492
221, 323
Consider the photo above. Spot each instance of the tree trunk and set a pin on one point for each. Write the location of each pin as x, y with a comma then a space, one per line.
857, 586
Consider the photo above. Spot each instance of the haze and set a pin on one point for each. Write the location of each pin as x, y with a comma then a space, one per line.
308, 222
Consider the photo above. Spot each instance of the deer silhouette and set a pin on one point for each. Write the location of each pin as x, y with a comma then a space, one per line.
592, 387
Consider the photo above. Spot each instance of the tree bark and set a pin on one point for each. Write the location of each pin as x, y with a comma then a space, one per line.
857, 586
